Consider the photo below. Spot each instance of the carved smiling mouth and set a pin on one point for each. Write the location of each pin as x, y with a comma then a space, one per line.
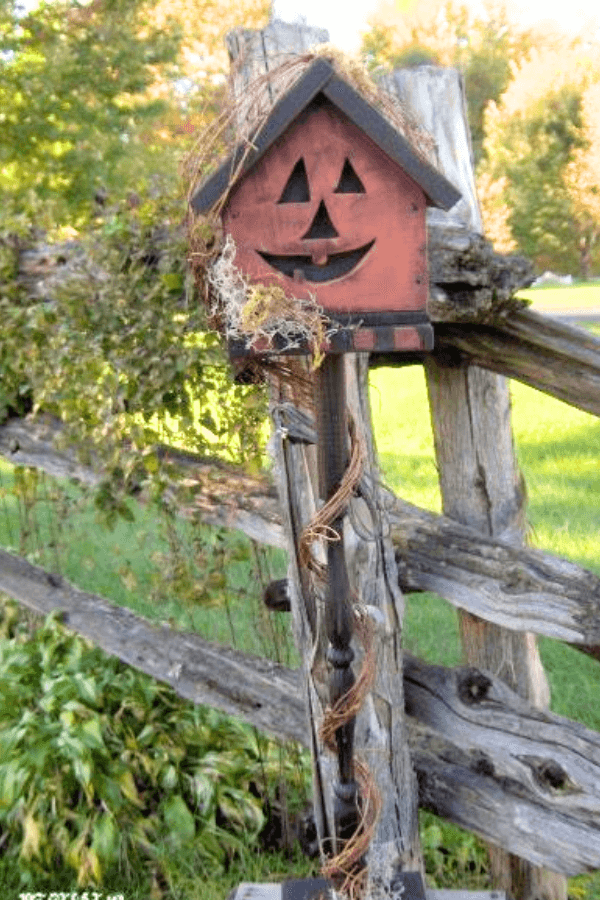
336, 266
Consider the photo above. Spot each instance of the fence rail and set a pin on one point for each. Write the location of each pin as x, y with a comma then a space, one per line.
486, 760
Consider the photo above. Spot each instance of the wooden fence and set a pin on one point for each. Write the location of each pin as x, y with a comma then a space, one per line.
487, 753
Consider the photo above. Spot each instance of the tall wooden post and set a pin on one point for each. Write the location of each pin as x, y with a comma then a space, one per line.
482, 487
380, 731
332, 431
479, 478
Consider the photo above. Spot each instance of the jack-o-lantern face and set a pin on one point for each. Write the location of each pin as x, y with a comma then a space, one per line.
316, 265
326, 213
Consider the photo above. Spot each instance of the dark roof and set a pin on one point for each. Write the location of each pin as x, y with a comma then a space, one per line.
321, 78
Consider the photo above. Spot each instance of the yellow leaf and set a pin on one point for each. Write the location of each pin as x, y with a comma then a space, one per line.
129, 789
32, 834
90, 869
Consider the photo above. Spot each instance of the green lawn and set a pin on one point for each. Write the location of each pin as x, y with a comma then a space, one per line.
583, 295
557, 451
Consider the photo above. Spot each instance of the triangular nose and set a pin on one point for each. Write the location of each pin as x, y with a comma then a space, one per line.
322, 226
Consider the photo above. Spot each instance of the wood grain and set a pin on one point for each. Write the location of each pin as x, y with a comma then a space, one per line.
555, 357
484, 758
517, 587
482, 487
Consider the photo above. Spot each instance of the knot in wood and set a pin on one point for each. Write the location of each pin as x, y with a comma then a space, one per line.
447, 356
276, 596
473, 686
550, 774
482, 765
340, 658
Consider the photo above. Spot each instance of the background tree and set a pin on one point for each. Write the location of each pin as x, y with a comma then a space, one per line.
484, 47
98, 98
100, 103
538, 145
73, 90
582, 178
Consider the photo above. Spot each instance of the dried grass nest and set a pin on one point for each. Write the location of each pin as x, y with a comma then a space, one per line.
238, 308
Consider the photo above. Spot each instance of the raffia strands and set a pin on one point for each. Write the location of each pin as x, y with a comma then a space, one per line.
348, 706
320, 527
346, 869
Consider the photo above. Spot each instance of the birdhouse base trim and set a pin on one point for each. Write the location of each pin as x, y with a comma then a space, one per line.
375, 339
406, 886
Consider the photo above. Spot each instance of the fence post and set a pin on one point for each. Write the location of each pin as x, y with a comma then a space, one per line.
482, 487
479, 477
381, 734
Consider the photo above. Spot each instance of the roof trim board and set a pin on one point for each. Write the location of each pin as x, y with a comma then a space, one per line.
321, 77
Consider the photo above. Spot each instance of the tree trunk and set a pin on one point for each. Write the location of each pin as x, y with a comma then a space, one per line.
482, 487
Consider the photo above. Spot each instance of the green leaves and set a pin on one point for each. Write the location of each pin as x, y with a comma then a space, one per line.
178, 819
99, 763
72, 89
122, 355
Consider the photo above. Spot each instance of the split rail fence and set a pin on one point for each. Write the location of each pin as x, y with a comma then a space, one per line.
487, 753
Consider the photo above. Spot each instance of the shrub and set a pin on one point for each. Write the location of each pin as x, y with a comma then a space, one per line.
100, 764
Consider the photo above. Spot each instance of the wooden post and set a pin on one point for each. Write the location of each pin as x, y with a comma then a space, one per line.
482, 487
470, 408
479, 478
381, 733
332, 433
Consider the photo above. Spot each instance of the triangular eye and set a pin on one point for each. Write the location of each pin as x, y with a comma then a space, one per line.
349, 182
296, 189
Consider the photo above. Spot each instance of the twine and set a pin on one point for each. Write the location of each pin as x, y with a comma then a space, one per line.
349, 705
346, 869
320, 528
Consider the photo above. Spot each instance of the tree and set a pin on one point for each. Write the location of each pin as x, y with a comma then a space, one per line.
437, 32
582, 178
537, 146
93, 107
95, 97
73, 83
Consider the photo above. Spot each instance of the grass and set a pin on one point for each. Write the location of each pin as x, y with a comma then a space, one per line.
582, 295
557, 451
136, 565
165, 569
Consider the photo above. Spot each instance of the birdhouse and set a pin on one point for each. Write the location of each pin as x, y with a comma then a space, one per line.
330, 205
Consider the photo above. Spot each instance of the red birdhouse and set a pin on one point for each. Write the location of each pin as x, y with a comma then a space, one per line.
331, 205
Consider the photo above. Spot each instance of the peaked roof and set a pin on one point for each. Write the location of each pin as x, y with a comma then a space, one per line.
321, 78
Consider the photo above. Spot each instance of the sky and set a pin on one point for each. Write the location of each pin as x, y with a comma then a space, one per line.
345, 19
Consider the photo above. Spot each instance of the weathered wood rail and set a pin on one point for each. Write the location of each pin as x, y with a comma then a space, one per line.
486, 760
531, 589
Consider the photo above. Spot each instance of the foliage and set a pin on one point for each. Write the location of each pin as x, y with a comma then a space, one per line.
491, 192
96, 96
122, 354
73, 83
582, 179
94, 107
540, 165
100, 764
483, 47
452, 857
